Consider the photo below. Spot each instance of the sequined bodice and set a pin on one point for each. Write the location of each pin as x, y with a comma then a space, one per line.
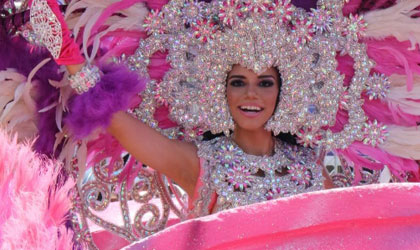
241, 179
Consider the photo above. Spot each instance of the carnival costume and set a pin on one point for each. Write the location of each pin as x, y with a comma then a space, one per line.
350, 86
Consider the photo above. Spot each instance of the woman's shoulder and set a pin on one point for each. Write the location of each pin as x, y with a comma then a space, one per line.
207, 148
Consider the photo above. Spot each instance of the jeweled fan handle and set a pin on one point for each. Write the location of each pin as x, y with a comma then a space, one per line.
48, 24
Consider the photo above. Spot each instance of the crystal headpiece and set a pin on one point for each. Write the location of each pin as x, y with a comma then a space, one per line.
204, 40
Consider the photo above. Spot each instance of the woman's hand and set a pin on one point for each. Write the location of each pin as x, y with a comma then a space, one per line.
73, 69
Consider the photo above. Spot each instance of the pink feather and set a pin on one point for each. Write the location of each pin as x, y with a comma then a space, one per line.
342, 119
358, 151
345, 67
158, 65
399, 57
162, 116
394, 57
357, 6
351, 7
377, 4
156, 4
120, 44
111, 9
387, 113
34, 205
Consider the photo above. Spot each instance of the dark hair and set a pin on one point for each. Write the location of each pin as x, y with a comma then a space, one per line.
285, 137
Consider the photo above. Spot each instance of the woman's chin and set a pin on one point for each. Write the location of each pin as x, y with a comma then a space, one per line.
250, 125
251, 122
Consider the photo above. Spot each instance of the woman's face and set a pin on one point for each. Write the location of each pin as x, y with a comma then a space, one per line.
251, 97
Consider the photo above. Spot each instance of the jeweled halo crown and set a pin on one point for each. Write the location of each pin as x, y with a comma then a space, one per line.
204, 40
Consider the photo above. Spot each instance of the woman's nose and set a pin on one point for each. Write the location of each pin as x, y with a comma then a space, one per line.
251, 90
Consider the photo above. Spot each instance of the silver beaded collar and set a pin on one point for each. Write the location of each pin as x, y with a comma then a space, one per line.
240, 179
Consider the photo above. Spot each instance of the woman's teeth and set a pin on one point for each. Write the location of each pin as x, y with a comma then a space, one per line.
250, 108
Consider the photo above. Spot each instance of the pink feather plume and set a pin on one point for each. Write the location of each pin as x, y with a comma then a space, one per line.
33, 204
357, 152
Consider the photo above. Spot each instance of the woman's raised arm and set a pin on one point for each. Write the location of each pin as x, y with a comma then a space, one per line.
176, 159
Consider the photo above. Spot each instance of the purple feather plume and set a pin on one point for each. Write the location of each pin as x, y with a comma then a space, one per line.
16, 53
112, 93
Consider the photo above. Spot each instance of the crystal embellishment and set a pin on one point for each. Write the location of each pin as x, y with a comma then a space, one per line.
230, 11
153, 23
47, 26
378, 86
251, 179
375, 133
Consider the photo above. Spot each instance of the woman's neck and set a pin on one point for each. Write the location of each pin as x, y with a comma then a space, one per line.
254, 142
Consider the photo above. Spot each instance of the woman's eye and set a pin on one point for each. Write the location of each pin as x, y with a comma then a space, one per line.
237, 83
266, 84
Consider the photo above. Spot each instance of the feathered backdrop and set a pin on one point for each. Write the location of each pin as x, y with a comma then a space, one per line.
34, 101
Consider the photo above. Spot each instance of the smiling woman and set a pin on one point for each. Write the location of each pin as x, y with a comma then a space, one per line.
249, 70
249, 166
252, 99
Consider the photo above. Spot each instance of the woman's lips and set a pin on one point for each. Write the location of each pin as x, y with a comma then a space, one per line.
250, 113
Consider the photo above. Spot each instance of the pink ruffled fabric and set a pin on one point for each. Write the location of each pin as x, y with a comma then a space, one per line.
385, 216
211, 199
70, 52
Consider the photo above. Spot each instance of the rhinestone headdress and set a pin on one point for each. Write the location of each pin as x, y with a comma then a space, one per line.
204, 40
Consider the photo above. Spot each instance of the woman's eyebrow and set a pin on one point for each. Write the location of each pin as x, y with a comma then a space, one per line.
237, 76
243, 77
266, 76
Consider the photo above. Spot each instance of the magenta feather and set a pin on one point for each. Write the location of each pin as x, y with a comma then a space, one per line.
398, 166
162, 116
121, 44
158, 66
388, 113
351, 7
342, 119
156, 4
345, 67
394, 57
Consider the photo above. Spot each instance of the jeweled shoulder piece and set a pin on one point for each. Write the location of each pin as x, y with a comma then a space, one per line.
204, 40
241, 179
